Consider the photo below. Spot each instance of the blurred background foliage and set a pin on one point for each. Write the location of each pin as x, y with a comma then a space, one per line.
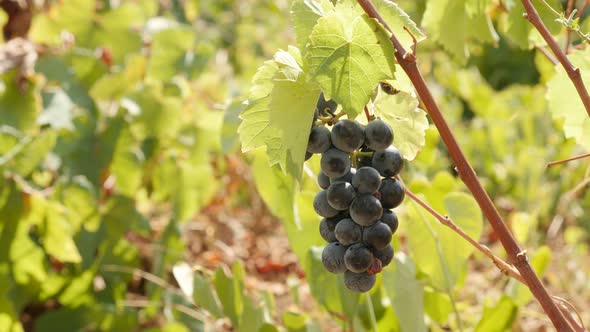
126, 205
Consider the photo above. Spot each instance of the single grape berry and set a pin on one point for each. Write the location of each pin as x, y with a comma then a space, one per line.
322, 207
359, 282
378, 135
366, 180
378, 235
347, 135
392, 193
389, 162
325, 107
327, 233
375, 267
335, 163
384, 255
323, 180
358, 258
346, 177
340, 194
319, 139
390, 219
365, 210
348, 232
333, 257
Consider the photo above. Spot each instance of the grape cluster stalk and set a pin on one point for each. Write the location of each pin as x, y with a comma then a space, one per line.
359, 191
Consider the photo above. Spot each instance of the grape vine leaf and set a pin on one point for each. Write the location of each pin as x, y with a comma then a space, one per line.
499, 317
436, 249
409, 123
452, 22
348, 54
59, 234
406, 292
279, 111
19, 109
520, 31
564, 102
305, 14
397, 19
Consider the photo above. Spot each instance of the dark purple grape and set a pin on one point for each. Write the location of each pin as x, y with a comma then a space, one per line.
327, 233
358, 258
378, 235
323, 180
340, 194
384, 255
335, 163
346, 177
348, 232
392, 193
365, 210
366, 180
347, 135
389, 162
319, 139
378, 135
390, 219
325, 107
322, 207
359, 282
333, 257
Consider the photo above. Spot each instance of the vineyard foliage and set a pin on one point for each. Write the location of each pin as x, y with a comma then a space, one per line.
118, 120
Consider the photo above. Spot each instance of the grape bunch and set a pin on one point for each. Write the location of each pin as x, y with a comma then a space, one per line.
359, 191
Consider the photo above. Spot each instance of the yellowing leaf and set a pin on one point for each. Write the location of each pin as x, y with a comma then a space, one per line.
408, 122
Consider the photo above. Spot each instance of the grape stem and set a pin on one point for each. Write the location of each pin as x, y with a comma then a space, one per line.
558, 162
573, 72
331, 119
516, 255
369, 116
504, 267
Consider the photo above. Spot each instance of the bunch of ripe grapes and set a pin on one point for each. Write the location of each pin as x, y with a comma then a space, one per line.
358, 165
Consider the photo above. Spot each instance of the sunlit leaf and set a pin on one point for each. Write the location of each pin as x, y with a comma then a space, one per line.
348, 54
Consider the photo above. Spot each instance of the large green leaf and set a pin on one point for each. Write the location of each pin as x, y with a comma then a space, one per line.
116, 29
397, 19
158, 116
452, 23
294, 209
565, 103
231, 292
204, 295
58, 237
19, 102
520, 31
499, 317
406, 293
348, 54
408, 122
305, 14
169, 52
437, 250
280, 111
24, 158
